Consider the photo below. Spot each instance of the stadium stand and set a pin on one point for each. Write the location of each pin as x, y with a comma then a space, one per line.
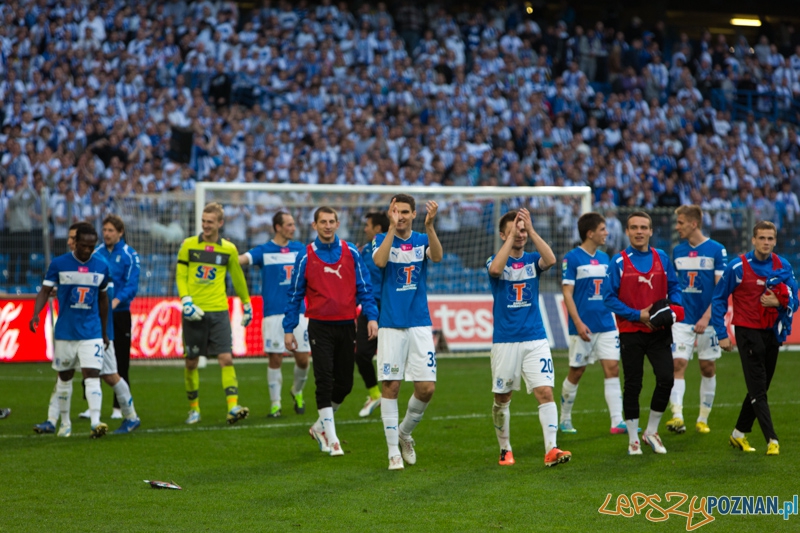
108, 101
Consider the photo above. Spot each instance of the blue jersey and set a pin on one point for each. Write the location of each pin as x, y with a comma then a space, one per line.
123, 265
79, 286
277, 263
375, 273
696, 267
587, 273
404, 296
516, 300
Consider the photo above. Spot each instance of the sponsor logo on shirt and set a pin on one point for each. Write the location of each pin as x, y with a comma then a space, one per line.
83, 269
408, 277
205, 273
284, 250
519, 294
81, 298
209, 248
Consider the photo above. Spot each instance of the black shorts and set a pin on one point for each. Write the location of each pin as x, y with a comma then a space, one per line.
209, 336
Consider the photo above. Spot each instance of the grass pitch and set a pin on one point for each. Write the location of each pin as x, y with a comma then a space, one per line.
268, 475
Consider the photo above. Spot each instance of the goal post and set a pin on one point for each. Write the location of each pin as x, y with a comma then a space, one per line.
362, 199
466, 224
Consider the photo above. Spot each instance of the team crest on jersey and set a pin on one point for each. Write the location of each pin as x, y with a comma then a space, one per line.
386, 368
499, 383
119, 258
529, 270
418, 253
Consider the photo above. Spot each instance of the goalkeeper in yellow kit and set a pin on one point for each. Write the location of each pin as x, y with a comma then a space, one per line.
203, 262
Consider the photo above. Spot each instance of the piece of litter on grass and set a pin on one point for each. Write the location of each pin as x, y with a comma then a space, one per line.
162, 485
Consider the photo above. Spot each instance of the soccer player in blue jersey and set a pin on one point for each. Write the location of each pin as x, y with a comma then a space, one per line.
80, 334
366, 348
592, 332
520, 349
699, 263
109, 374
405, 339
276, 259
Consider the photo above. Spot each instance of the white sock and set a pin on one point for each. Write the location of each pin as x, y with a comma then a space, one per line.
416, 408
390, 414
52, 408
737, 434
548, 418
653, 422
613, 394
708, 388
676, 398
63, 393
569, 391
328, 424
300, 377
275, 382
501, 416
94, 396
633, 430
123, 393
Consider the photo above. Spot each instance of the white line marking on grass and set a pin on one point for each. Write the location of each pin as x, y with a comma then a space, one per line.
361, 421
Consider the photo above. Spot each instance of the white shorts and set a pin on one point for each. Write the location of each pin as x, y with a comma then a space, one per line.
684, 339
272, 332
109, 361
72, 355
529, 360
603, 345
406, 354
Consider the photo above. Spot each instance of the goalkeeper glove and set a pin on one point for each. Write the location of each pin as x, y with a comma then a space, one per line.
248, 315
191, 311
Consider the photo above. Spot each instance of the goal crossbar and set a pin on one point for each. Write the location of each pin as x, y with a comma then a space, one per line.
203, 188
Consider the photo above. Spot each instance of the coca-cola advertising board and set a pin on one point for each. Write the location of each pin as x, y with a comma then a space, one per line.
465, 321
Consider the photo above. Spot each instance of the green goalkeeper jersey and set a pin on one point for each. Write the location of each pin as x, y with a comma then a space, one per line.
201, 273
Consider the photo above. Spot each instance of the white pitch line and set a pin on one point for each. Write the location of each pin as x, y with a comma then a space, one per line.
446, 418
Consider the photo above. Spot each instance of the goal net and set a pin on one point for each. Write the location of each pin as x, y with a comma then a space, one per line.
466, 223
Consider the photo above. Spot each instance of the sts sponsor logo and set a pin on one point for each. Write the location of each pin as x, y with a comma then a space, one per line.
81, 298
287, 269
519, 294
206, 273
407, 277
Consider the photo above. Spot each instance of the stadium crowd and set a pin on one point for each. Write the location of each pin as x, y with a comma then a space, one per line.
101, 101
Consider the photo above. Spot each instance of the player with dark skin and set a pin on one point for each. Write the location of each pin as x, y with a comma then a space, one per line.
84, 248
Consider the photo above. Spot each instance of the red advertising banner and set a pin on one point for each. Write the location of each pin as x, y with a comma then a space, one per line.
17, 342
466, 322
